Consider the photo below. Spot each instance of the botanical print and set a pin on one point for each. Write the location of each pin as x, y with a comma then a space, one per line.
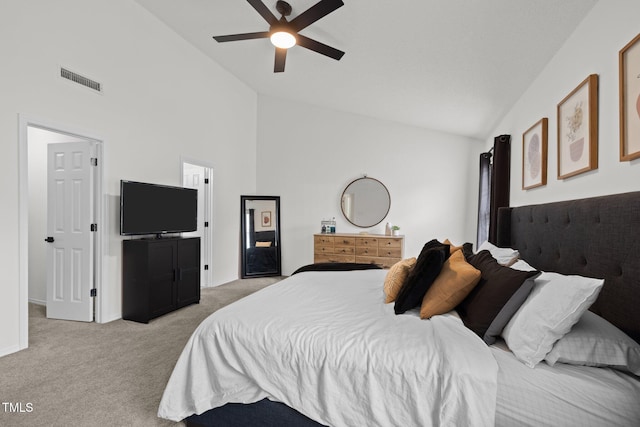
574, 123
578, 129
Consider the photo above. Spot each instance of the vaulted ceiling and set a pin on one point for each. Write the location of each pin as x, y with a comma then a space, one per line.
450, 65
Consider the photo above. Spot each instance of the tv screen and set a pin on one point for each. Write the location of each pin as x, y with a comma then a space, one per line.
156, 209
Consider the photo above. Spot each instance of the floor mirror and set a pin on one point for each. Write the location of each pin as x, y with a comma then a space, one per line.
260, 236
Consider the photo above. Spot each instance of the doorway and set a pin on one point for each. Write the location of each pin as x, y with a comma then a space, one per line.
35, 136
198, 175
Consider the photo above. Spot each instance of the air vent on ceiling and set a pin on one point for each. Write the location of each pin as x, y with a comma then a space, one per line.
77, 78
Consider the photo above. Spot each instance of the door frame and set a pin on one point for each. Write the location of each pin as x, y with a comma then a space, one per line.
208, 208
24, 122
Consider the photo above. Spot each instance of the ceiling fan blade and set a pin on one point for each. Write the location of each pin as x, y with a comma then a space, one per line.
322, 48
264, 11
315, 12
244, 36
281, 56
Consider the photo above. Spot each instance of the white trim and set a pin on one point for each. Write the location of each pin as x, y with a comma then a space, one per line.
208, 208
24, 121
37, 301
8, 350
23, 234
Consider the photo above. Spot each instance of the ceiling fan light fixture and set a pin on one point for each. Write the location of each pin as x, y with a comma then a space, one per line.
283, 39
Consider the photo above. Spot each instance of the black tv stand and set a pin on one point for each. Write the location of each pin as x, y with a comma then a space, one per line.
159, 276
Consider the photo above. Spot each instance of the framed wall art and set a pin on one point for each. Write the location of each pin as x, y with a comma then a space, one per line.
629, 59
578, 129
266, 219
534, 155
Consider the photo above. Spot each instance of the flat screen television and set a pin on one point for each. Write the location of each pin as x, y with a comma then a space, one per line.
156, 209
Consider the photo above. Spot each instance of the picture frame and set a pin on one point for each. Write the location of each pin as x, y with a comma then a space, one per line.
578, 129
534, 155
629, 68
266, 219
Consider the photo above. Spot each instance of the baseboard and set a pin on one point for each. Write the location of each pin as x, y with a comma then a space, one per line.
9, 350
110, 317
37, 301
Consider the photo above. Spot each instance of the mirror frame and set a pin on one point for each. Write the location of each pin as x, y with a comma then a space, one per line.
277, 271
349, 185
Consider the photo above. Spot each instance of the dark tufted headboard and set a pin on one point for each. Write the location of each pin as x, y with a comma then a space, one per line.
595, 237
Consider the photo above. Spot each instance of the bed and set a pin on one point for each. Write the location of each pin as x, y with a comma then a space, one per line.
322, 348
262, 255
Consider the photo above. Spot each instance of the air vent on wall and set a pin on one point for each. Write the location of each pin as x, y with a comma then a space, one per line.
77, 78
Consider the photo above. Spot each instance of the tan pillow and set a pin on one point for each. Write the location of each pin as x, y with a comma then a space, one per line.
396, 277
263, 244
453, 248
456, 279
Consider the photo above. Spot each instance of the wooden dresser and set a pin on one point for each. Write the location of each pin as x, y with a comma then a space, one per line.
359, 248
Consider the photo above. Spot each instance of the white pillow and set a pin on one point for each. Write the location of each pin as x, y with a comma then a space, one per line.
555, 304
504, 256
521, 265
595, 342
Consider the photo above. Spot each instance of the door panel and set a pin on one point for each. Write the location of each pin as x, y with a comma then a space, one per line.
188, 287
69, 217
162, 270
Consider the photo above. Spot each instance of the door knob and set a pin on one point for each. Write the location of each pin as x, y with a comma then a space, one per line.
49, 239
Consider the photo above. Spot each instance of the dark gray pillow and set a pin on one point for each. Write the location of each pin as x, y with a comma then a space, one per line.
496, 298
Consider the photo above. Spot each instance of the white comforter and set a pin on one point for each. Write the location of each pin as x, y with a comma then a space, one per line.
325, 344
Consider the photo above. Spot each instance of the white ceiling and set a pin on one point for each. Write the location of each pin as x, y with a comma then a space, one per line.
450, 65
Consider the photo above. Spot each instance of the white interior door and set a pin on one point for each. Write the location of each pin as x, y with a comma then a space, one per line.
199, 177
70, 238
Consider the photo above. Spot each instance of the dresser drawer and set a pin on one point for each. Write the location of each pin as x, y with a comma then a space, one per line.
344, 250
367, 251
369, 242
333, 258
323, 240
344, 241
322, 249
390, 252
384, 243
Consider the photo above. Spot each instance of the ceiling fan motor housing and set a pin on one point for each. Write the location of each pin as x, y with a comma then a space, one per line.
283, 8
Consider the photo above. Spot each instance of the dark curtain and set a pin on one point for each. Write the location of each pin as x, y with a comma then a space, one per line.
252, 228
484, 198
500, 181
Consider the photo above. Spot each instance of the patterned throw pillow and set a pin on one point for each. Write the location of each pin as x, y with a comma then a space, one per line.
396, 277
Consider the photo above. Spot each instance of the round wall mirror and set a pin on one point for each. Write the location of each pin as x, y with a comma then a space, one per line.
365, 202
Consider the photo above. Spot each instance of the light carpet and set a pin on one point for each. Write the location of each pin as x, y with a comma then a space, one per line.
113, 374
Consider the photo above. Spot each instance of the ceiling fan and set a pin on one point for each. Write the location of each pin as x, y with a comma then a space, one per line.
284, 34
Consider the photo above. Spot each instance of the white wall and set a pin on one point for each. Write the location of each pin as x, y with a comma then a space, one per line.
162, 99
308, 155
593, 48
